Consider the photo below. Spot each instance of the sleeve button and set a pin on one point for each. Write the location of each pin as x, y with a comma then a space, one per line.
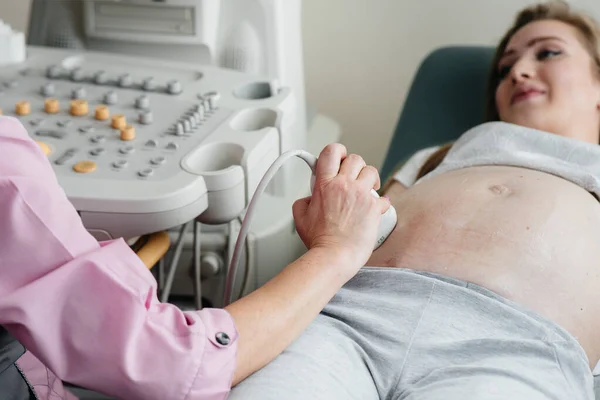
223, 338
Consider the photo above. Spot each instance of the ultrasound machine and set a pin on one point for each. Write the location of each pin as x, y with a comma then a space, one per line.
163, 116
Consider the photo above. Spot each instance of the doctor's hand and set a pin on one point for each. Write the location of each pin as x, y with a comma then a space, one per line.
341, 216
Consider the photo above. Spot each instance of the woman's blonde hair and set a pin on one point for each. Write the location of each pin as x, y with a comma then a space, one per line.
552, 10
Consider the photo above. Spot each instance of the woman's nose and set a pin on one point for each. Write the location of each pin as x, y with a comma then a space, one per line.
522, 70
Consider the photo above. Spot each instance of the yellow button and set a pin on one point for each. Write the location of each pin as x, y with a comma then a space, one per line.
119, 121
45, 148
51, 106
128, 133
79, 107
1, 112
84, 167
23, 108
102, 113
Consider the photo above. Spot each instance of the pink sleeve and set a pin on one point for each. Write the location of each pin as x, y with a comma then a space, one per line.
89, 311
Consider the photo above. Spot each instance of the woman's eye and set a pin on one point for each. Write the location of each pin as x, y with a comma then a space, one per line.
503, 71
544, 54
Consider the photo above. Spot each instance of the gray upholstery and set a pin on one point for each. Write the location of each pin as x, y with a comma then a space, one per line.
446, 98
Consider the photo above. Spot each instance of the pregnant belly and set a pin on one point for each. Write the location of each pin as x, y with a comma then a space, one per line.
528, 236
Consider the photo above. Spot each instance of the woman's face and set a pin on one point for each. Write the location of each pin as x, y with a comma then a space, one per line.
548, 82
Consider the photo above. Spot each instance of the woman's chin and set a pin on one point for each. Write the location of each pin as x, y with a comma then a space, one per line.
531, 121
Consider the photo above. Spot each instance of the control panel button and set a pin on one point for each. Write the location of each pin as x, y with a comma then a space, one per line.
85, 167
100, 77
111, 97
125, 80
119, 121
47, 90
97, 151
12, 84
126, 150
53, 71
149, 84
146, 172
213, 100
87, 129
77, 75
51, 133
151, 143
142, 102
205, 101
172, 146
44, 147
36, 122
193, 122
51, 106
179, 130
158, 160
128, 133
146, 118
199, 109
23, 108
64, 123
78, 93
66, 156
120, 164
174, 87
79, 108
197, 118
187, 127
98, 139
102, 113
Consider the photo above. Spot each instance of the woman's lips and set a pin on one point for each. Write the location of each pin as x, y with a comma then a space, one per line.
525, 95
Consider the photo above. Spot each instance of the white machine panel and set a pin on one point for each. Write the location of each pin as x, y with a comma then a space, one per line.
197, 140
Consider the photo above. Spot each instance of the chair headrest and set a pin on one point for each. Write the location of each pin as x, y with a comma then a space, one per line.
446, 98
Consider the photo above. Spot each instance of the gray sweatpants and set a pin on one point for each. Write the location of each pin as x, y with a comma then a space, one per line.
403, 334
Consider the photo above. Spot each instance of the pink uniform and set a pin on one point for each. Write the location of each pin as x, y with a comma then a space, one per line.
88, 310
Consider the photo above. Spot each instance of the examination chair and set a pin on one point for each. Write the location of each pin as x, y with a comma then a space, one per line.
446, 98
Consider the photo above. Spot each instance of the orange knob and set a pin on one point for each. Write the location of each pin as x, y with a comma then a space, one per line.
84, 167
79, 107
45, 148
119, 121
23, 108
102, 113
128, 133
51, 106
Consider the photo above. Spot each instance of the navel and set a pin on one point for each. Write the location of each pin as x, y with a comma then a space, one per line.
499, 189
